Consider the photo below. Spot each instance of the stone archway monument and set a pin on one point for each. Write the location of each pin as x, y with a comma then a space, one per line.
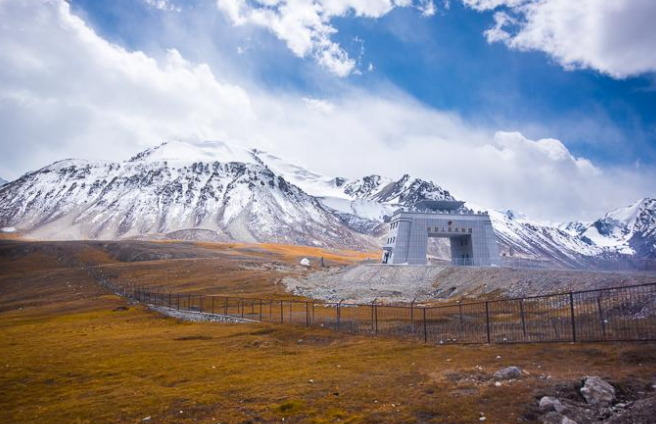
471, 234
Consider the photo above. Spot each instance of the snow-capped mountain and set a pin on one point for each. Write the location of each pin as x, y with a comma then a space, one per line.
218, 191
630, 230
173, 187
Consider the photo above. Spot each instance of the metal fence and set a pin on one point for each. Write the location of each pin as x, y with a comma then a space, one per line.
626, 264
610, 314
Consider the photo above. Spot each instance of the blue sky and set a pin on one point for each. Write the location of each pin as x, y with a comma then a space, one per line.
443, 61
481, 96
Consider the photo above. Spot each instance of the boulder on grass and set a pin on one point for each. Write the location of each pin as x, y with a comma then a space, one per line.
548, 403
597, 391
509, 373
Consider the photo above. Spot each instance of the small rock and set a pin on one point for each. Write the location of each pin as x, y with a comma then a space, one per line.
508, 373
146, 419
498, 357
597, 392
497, 383
552, 418
549, 403
305, 262
642, 411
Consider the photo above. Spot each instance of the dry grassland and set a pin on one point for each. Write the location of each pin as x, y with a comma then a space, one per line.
71, 353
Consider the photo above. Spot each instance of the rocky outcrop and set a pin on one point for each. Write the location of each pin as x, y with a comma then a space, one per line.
597, 392
598, 405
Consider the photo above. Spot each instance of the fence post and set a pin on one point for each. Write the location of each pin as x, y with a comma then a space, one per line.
425, 328
521, 312
260, 310
307, 314
200, 303
601, 315
376, 316
487, 321
226, 306
571, 309
339, 314
281, 312
243, 306
169, 300
178, 296
373, 312
189, 302
412, 315
212, 304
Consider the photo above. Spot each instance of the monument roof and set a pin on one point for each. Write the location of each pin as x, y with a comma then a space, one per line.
439, 205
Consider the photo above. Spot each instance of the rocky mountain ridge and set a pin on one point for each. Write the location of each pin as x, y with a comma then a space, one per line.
217, 191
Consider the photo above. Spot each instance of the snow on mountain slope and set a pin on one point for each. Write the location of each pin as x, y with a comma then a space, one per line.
179, 153
404, 192
3, 182
165, 190
629, 230
311, 182
626, 231
519, 237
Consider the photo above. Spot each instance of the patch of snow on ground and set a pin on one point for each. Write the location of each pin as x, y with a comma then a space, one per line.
197, 316
367, 209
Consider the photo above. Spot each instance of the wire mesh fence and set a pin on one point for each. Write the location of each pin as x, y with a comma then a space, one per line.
611, 314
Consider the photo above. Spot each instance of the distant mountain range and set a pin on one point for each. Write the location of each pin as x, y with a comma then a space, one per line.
217, 191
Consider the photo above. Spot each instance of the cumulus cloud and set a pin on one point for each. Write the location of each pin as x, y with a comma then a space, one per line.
305, 25
614, 37
65, 91
63, 88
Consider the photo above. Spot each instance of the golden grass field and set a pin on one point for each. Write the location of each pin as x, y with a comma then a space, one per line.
72, 353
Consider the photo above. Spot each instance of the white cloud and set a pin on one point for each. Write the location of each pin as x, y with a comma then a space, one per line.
427, 8
65, 91
615, 37
319, 104
482, 5
305, 25
163, 5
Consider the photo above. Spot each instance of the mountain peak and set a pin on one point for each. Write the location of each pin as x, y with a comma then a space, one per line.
182, 153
